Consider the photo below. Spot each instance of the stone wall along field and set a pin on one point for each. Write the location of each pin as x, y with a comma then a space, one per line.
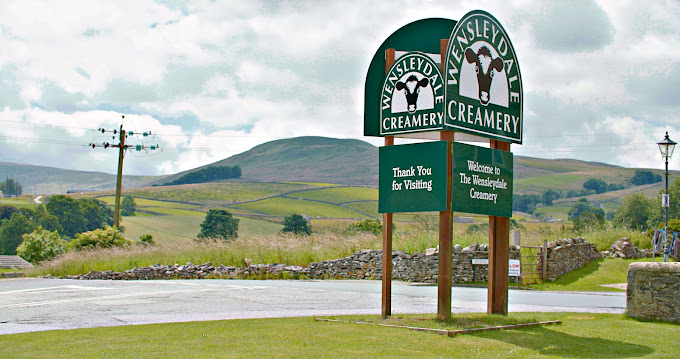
566, 255
365, 264
654, 291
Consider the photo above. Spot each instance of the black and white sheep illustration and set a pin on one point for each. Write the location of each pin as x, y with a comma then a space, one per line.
411, 89
484, 66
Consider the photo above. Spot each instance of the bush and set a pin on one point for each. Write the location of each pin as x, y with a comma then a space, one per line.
297, 224
99, 238
41, 245
367, 225
147, 239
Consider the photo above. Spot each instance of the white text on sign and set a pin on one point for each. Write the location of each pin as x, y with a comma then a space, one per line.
409, 184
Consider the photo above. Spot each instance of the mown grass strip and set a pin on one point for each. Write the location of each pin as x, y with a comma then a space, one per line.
580, 336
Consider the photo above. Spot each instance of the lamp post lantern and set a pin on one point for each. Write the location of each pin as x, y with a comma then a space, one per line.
666, 146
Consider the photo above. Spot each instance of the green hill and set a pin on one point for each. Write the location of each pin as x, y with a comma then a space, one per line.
51, 180
306, 159
324, 160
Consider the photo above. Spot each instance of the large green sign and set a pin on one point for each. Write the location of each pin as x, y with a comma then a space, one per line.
412, 98
423, 36
412, 178
483, 82
482, 180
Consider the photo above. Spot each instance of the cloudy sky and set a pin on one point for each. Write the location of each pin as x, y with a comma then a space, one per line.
212, 79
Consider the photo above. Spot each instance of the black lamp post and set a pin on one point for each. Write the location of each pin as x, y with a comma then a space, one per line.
666, 147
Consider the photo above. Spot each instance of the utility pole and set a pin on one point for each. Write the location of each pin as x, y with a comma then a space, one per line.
119, 178
122, 147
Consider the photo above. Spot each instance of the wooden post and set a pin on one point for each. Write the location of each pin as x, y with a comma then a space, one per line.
445, 280
386, 307
387, 256
499, 254
544, 250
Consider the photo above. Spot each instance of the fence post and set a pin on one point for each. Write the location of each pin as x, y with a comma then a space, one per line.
544, 251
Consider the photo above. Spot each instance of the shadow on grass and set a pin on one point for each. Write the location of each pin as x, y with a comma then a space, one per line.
577, 274
549, 342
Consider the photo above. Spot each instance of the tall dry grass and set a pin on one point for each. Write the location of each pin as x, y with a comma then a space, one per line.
302, 250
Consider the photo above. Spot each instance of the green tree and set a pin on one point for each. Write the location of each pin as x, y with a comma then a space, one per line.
6, 211
219, 223
70, 214
41, 245
297, 224
658, 214
643, 177
549, 196
634, 212
595, 184
128, 207
11, 232
93, 213
588, 221
581, 206
11, 188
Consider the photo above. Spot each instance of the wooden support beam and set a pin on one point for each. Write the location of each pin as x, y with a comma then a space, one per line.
499, 254
445, 279
386, 306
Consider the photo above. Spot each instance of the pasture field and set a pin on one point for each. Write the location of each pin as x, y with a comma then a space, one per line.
218, 193
281, 206
144, 202
339, 194
581, 335
551, 181
370, 207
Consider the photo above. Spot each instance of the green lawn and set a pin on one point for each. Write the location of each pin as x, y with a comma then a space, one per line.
590, 277
581, 335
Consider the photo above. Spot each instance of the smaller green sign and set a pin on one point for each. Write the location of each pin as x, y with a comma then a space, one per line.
482, 180
412, 178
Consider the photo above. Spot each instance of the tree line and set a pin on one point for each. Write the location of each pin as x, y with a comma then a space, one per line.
63, 214
11, 187
208, 174
527, 203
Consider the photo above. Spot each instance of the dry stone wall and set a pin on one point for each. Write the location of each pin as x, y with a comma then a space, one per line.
652, 291
365, 264
566, 255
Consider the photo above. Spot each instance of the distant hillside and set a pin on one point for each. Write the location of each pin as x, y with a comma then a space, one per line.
355, 162
51, 180
325, 160
306, 159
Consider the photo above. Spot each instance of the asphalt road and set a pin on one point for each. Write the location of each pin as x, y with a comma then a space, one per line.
29, 304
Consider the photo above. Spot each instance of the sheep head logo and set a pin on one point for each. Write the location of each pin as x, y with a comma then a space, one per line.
411, 88
485, 66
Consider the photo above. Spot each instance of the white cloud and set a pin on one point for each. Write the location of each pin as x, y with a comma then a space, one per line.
261, 70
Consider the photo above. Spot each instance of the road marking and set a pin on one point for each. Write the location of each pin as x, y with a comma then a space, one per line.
56, 289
